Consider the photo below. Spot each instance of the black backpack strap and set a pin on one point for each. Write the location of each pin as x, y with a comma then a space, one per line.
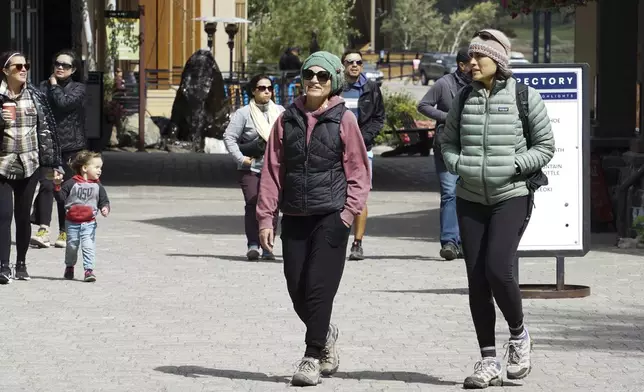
522, 106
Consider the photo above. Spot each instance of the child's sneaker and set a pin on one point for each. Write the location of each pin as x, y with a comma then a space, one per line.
61, 241
41, 239
69, 273
89, 276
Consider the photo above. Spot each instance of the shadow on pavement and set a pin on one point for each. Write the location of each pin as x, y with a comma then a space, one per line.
456, 291
219, 171
224, 257
571, 330
407, 377
418, 225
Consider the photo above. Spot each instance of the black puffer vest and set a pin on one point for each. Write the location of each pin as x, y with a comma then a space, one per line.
314, 180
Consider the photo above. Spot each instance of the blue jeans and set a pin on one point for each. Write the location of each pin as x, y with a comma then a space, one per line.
449, 221
81, 235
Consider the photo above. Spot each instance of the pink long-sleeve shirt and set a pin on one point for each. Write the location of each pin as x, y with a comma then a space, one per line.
354, 161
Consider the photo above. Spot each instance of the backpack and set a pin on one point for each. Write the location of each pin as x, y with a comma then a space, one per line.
534, 180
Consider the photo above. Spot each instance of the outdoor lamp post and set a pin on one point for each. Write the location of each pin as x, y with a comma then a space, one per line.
231, 30
210, 28
232, 27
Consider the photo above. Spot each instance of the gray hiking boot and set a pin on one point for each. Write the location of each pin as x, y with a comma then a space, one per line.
307, 373
518, 353
449, 251
487, 372
330, 359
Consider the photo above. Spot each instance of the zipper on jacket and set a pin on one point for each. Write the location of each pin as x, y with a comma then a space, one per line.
484, 166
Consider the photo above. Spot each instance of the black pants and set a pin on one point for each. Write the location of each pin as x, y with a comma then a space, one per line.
15, 200
315, 248
490, 236
43, 205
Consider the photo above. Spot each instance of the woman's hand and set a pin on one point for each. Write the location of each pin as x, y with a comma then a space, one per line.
58, 177
266, 239
7, 116
52, 80
248, 161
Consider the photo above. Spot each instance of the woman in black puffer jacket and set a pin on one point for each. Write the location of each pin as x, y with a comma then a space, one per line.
67, 100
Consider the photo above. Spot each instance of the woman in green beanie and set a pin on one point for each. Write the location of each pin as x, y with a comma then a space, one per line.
316, 171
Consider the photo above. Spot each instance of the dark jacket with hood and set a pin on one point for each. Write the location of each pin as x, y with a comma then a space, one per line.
442, 94
67, 101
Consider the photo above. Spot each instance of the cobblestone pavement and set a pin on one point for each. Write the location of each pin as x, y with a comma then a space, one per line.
176, 307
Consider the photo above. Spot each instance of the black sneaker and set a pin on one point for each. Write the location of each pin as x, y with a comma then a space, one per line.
356, 252
449, 251
21, 271
69, 273
5, 274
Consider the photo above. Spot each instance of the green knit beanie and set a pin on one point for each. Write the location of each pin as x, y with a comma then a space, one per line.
330, 63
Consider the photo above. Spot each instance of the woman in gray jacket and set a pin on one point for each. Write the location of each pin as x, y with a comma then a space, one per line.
245, 139
484, 144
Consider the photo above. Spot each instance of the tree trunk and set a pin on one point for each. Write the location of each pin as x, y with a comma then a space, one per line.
457, 38
89, 36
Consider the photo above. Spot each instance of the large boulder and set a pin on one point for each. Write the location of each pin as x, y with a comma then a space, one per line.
129, 135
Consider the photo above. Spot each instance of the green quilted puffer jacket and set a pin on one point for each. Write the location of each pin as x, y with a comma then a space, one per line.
488, 146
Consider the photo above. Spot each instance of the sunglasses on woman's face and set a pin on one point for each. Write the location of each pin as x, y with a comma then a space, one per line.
323, 76
264, 88
19, 67
64, 66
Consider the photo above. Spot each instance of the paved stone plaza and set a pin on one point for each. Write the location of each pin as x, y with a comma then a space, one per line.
177, 308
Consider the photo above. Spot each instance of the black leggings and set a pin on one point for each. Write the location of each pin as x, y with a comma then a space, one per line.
15, 200
315, 248
490, 236
43, 205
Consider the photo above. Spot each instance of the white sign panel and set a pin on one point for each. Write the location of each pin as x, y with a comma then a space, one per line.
558, 219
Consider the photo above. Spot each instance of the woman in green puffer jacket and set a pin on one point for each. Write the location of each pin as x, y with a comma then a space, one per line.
485, 146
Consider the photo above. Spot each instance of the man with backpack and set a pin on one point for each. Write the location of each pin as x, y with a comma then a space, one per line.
435, 104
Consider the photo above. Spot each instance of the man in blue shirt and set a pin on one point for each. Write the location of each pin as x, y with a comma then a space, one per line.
364, 98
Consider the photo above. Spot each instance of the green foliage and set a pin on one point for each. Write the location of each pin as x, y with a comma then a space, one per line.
288, 23
463, 24
412, 22
638, 226
396, 104
418, 24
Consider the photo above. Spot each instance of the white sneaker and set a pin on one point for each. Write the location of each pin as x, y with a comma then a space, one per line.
518, 353
487, 372
307, 373
330, 359
41, 238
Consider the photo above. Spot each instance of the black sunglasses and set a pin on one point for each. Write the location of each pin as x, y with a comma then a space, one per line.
356, 62
323, 76
64, 66
19, 67
264, 88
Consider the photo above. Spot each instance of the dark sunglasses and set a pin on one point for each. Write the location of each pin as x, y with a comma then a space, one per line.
64, 66
356, 62
264, 88
487, 36
19, 67
323, 76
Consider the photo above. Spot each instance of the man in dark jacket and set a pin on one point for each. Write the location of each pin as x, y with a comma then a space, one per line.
67, 100
364, 98
435, 104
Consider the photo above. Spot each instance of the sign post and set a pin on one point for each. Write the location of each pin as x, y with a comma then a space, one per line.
560, 223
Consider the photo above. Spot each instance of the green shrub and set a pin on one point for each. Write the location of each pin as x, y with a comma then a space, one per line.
638, 226
396, 104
